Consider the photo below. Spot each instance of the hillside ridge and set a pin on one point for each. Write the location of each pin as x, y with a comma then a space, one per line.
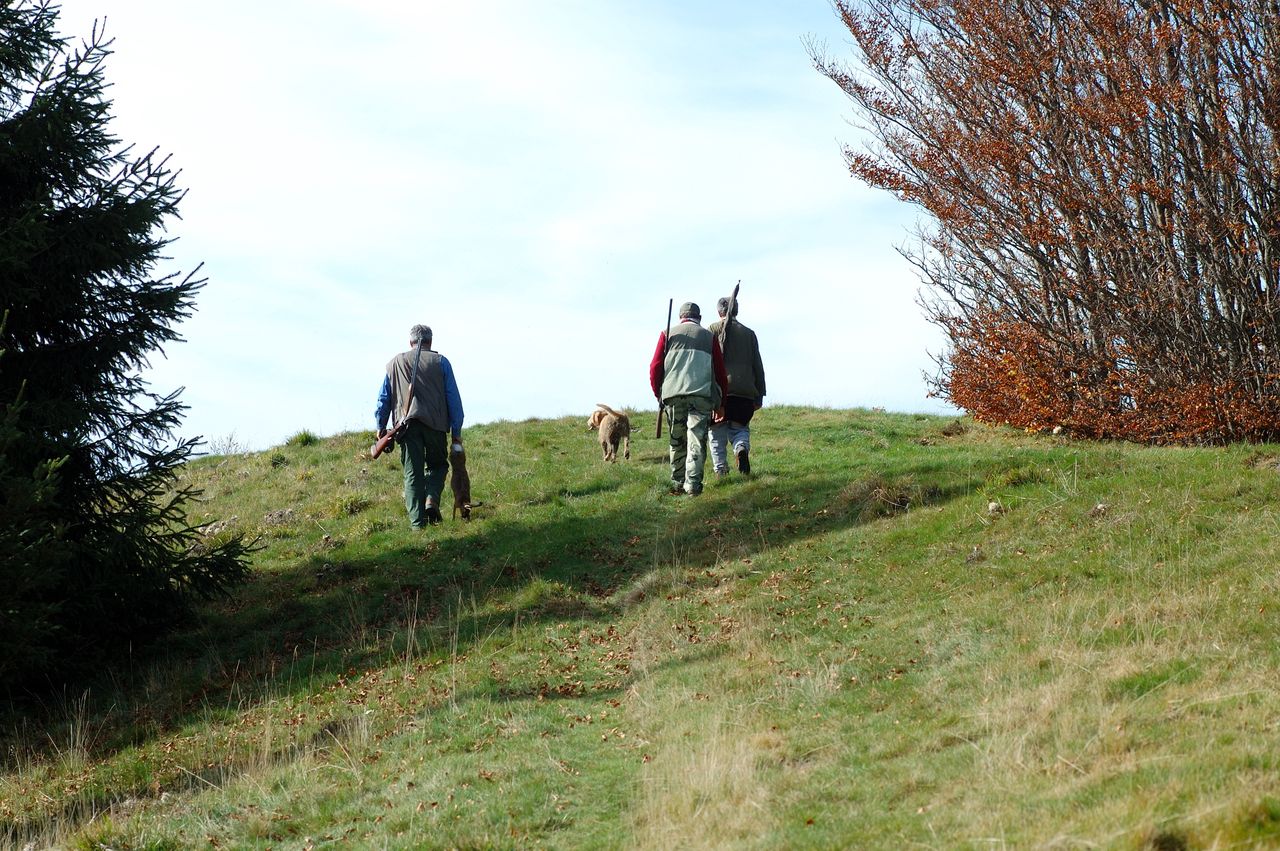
903, 629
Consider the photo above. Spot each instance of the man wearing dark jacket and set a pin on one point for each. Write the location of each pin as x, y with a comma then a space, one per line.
434, 408
687, 376
746, 391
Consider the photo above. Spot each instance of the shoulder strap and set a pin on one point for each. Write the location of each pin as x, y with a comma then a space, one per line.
413, 380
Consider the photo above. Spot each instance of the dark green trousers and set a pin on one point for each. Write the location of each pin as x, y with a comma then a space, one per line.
424, 454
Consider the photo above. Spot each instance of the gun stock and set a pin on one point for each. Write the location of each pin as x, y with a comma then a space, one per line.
385, 442
732, 309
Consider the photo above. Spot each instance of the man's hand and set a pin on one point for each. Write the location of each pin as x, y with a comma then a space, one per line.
759, 404
382, 432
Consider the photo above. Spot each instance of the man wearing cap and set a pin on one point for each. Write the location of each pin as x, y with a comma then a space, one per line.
428, 396
687, 375
746, 390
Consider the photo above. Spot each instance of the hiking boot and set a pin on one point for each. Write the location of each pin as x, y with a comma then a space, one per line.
744, 462
433, 514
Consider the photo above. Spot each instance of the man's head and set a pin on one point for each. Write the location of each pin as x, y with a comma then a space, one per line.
420, 334
722, 306
690, 310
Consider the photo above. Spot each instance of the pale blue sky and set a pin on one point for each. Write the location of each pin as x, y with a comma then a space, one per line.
533, 180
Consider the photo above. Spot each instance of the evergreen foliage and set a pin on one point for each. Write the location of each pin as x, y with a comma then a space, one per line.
95, 547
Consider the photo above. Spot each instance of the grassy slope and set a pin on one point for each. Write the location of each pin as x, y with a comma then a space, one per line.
849, 649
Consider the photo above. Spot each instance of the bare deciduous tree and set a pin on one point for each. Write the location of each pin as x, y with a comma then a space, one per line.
1100, 179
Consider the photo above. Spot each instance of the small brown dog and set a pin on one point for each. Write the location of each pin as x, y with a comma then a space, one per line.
615, 428
460, 482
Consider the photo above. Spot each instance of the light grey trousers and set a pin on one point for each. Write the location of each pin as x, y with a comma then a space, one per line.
726, 435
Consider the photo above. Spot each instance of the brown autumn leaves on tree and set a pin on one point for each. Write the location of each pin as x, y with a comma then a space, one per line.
1100, 179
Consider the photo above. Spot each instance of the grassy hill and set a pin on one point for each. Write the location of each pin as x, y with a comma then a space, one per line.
904, 631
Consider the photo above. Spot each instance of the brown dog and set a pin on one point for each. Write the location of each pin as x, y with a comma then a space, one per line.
460, 481
615, 428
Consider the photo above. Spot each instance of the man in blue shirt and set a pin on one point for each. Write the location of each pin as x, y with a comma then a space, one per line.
419, 386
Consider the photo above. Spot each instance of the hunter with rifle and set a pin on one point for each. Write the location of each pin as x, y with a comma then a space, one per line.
687, 376
420, 389
746, 392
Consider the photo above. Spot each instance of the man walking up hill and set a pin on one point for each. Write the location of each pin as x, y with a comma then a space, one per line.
419, 384
687, 375
746, 390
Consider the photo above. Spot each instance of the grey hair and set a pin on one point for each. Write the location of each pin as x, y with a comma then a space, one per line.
722, 306
419, 334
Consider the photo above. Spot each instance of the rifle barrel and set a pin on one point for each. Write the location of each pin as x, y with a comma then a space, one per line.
666, 341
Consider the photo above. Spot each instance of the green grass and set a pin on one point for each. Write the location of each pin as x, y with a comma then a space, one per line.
853, 648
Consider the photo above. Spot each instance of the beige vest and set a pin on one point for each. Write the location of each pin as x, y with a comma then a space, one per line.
430, 406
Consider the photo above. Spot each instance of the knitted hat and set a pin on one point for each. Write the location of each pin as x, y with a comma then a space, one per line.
690, 310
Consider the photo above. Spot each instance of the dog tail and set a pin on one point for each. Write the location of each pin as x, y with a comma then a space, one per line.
608, 409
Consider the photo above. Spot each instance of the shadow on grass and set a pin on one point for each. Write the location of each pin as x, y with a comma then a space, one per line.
589, 489
291, 633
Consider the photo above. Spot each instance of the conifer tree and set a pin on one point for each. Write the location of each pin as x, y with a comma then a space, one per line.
95, 546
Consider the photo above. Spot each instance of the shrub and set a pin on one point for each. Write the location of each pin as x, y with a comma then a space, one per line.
302, 438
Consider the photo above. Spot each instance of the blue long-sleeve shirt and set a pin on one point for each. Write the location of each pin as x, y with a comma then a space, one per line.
452, 398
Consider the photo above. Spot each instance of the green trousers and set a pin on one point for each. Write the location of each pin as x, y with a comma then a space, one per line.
424, 454
688, 418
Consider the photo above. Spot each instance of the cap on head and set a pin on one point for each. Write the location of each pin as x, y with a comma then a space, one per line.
690, 310
419, 334
722, 306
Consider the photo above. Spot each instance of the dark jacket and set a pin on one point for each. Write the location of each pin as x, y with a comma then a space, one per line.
741, 359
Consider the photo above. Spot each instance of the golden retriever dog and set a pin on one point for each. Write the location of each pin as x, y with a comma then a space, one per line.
614, 427
460, 482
